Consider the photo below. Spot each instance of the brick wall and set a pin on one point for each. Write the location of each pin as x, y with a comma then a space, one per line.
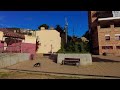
112, 42
98, 35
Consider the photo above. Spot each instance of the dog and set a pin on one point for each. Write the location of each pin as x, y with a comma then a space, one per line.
37, 64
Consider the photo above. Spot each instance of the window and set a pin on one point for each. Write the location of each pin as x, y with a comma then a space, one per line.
105, 25
107, 47
117, 47
117, 24
107, 37
117, 36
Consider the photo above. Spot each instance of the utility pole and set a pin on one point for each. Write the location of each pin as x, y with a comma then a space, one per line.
73, 31
66, 29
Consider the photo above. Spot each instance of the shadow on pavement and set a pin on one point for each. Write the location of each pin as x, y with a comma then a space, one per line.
97, 59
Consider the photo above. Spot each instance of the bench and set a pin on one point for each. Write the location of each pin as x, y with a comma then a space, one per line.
75, 61
107, 53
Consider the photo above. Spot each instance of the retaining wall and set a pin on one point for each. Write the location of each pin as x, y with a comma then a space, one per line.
85, 59
7, 59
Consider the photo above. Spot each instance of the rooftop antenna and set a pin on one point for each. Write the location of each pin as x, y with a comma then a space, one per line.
66, 28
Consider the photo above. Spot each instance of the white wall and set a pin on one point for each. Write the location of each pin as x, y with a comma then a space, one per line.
29, 39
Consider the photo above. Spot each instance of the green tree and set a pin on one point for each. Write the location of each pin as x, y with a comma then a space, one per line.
87, 44
77, 47
87, 35
59, 29
62, 35
43, 25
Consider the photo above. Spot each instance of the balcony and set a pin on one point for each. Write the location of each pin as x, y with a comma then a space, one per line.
108, 15
104, 14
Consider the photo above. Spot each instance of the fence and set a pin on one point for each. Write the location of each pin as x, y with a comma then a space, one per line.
20, 48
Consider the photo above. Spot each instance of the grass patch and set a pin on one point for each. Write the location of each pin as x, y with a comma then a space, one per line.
25, 75
61, 77
4, 75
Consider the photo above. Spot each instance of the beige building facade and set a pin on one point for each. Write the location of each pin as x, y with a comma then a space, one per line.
49, 41
1, 35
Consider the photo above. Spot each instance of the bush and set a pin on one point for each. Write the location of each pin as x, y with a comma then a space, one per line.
60, 51
75, 46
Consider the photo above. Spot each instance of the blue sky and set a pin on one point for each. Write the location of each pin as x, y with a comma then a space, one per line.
32, 19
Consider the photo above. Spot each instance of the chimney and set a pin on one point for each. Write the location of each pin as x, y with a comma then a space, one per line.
42, 28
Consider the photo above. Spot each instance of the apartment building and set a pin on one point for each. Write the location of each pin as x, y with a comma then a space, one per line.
104, 29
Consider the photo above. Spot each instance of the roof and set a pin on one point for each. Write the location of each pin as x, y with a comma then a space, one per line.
8, 33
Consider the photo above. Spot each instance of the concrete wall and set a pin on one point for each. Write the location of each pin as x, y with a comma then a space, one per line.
85, 59
7, 59
30, 39
50, 41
